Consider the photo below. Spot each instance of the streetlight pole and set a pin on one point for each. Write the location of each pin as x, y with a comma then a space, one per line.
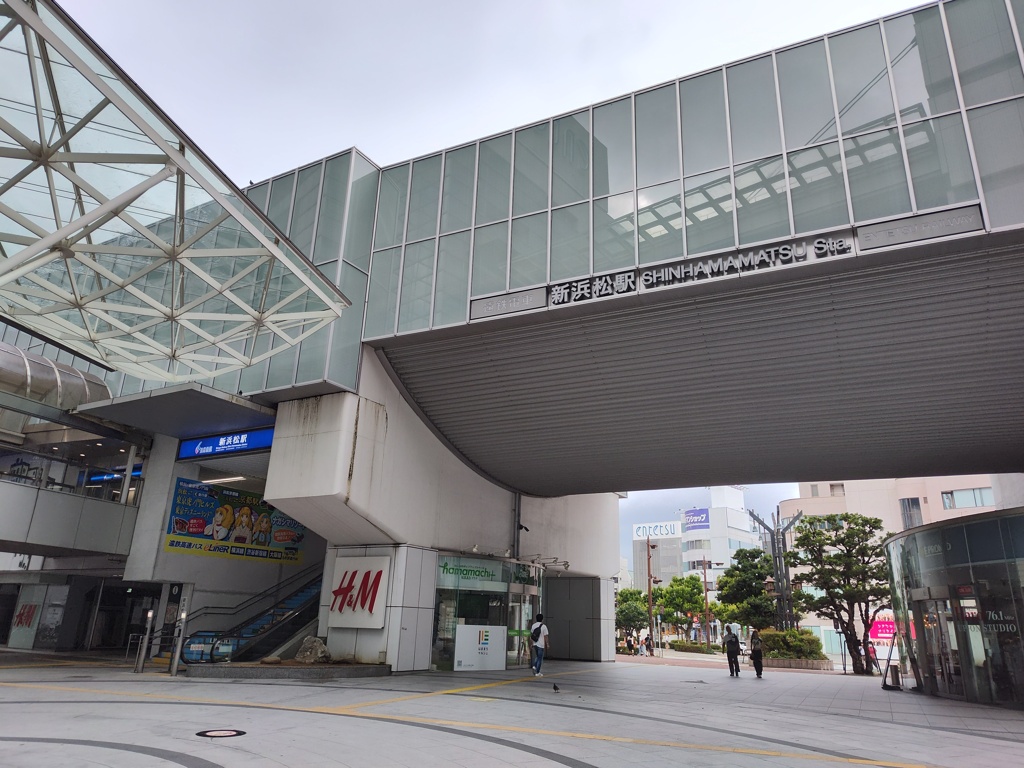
707, 607
650, 590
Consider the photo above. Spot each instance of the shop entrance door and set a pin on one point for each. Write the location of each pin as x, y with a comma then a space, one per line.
522, 607
942, 659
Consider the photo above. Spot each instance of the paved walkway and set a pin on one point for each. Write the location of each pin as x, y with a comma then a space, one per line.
76, 711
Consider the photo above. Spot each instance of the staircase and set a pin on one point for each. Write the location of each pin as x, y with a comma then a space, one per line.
259, 635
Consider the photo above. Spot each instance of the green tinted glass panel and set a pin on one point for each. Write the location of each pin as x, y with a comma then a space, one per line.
659, 223
920, 64
878, 180
807, 112
530, 181
382, 300
940, 165
708, 205
570, 159
452, 287
307, 191
493, 179
258, 195
281, 200
614, 232
998, 134
528, 263
657, 136
394, 189
417, 287
862, 80
346, 331
570, 242
985, 51
424, 198
817, 189
705, 138
490, 259
613, 147
762, 212
359, 230
457, 193
332, 210
753, 113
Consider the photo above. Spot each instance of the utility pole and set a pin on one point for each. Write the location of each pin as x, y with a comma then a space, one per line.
650, 590
785, 616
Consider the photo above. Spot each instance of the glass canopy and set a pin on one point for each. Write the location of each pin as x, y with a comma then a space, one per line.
118, 238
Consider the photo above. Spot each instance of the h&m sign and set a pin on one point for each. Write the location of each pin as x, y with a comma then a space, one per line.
359, 592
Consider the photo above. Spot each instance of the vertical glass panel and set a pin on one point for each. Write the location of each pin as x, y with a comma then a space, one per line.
383, 297
570, 242
762, 212
530, 180
614, 246
570, 159
258, 195
423, 198
281, 201
490, 259
659, 221
816, 188
417, 286
347, 331
332, 210
708, 205
985, 51
452, 286
304, 210
359, 227
862, 80
807, 112
940, 165
753, 114
281, 371
312, 364
457, 193
394, 188
492, 184
657, 137
920, 64
702, 103
878, 180
998, 135
528, 263
253, 378
613, 148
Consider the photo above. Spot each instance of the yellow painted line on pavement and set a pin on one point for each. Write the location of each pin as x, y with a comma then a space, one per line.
351, 711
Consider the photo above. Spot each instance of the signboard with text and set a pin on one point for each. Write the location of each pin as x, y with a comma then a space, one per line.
359, 592
667, 530
224, 522
222, 445
697, 519
479, 647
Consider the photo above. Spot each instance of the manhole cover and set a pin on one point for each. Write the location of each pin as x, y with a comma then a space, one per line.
220, 733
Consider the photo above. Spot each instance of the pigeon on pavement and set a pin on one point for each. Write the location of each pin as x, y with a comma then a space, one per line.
555, 687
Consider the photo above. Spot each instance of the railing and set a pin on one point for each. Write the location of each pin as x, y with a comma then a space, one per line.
271, 595
67, 476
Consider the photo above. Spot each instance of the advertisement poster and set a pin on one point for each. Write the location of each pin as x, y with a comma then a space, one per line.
213, 520
697, 519
479, 647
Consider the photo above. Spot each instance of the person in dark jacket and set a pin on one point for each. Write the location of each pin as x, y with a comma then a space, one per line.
732, 652
756, 654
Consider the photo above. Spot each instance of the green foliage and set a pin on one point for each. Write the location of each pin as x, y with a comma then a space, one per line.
631, 596
630, 617
741, 587
844, 559
682, 645
682, 596
791, 644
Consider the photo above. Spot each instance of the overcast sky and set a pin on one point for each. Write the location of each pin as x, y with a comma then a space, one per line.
263, 87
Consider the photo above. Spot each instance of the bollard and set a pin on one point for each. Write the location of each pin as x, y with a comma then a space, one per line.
140, 659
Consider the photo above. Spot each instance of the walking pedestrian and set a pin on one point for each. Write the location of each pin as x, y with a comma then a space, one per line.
873, 657
732, 651
650, 646
629, 644
539, 634
643, 646
756, 654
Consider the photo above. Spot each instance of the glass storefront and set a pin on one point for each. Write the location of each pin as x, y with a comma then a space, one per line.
958, 602
482, 613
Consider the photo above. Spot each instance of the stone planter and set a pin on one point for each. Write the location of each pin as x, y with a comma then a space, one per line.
824, 664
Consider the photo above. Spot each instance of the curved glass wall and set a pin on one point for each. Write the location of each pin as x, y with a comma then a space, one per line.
920, 112
959, 604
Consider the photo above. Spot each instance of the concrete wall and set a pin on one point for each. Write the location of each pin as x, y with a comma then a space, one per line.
1008, 490
580, 614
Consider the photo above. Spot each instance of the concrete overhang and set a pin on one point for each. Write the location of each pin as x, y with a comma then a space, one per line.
182, 411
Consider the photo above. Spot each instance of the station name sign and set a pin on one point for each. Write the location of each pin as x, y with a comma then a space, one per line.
695, 270
221, 445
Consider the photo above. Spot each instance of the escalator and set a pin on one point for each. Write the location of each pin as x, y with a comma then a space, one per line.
259, 635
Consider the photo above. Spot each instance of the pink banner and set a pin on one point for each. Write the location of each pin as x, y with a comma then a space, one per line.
883, 630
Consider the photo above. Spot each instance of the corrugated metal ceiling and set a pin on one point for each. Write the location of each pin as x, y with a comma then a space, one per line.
901, 364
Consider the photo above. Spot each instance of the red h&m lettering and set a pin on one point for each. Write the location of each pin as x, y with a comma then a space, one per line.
346, 595
26, 614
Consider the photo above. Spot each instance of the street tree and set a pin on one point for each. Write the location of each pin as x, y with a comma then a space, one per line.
741, 586
630, 617
684, 598
631, 596
845, 561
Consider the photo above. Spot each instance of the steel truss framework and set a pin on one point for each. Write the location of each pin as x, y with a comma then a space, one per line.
118, 238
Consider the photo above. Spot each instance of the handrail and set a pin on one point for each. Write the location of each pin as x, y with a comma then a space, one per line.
269, 592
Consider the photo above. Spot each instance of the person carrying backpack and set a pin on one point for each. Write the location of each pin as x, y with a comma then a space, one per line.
539, 638
732, 652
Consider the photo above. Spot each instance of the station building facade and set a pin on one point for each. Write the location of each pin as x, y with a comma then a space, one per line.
897, 131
